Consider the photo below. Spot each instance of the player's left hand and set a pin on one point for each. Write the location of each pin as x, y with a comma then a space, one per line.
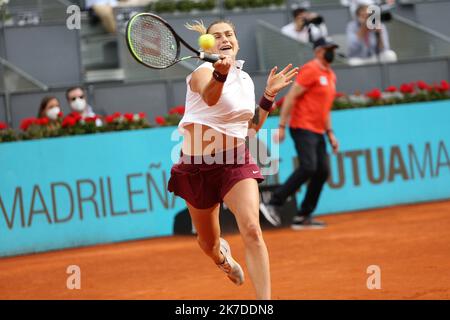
278, 81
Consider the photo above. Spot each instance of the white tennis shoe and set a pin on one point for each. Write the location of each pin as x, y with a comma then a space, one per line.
229, 265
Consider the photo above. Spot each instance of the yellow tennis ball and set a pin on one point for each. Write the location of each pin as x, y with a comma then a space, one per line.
206, 41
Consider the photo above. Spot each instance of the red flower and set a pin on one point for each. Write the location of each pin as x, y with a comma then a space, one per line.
3, 126
65, 122
374, 94
71, 119
75, 115
69, 122
109, 119
116, 115
129, 116
26, 123
60, 114
422, 85
391, 89
445, 86
160, 120
407, 88
72, 122
142, 115
91, 119
42, 121
339, 95
177, 110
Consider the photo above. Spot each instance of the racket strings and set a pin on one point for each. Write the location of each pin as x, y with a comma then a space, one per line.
153, 43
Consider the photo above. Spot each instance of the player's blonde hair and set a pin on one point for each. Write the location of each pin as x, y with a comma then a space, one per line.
197, 26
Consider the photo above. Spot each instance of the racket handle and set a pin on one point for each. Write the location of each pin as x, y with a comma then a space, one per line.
209, 57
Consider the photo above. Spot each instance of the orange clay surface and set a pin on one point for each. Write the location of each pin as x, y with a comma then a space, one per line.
411, 245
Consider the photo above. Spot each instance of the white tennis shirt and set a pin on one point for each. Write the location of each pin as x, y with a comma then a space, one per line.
232, 112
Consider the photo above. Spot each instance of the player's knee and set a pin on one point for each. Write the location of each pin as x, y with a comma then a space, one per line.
252, 234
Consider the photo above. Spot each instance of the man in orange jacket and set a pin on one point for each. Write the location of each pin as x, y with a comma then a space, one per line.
308, 103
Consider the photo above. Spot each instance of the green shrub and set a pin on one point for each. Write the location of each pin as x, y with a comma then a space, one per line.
185, 5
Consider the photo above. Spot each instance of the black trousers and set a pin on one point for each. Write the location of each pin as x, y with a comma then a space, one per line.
313, 167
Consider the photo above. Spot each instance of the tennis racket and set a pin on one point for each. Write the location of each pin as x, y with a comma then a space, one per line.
154, 43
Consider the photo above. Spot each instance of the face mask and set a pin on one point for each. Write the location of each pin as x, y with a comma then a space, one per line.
52, 114
78, 105
329, 56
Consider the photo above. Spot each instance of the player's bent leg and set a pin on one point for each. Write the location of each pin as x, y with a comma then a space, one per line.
243, 201
206, 222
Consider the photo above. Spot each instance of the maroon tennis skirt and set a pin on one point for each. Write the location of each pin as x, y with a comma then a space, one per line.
203, 181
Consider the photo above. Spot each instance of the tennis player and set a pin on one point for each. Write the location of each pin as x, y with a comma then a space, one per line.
215, 166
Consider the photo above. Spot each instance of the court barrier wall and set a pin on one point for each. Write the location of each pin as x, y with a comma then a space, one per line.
84, 190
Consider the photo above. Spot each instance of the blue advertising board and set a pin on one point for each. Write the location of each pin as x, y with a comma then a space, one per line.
83, 190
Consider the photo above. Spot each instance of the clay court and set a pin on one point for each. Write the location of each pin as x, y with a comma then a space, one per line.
411, 245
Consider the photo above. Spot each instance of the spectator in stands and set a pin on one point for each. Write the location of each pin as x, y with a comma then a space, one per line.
306, 27
104, 10
49, 108
353, 4
366, 43
76, 98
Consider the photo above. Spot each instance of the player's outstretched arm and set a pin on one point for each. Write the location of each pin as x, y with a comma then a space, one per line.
275, 83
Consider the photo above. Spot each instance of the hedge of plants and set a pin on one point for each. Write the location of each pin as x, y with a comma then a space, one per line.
171, 6
174, 6
419, 91
74, 124
244, 4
